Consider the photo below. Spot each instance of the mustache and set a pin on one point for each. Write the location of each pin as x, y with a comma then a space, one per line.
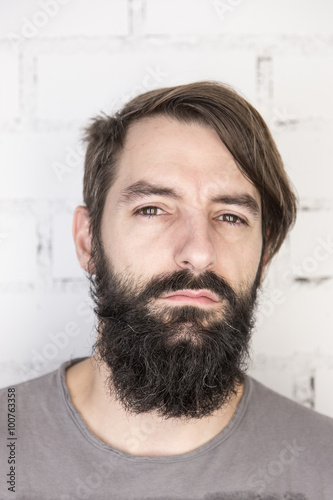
185, 279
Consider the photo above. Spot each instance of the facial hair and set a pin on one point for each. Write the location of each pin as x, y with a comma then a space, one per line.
177, 361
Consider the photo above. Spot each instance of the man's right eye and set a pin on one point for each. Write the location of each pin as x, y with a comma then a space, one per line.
149, 211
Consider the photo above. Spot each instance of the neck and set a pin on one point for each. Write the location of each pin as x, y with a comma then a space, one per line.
142, 435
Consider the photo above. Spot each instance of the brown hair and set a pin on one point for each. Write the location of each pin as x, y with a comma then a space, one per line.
238, 124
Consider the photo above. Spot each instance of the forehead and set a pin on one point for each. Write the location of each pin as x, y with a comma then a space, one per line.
188, 155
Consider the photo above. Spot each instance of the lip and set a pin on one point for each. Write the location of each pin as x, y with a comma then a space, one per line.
192, 296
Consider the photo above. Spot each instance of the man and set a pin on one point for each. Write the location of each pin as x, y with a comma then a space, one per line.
186, 202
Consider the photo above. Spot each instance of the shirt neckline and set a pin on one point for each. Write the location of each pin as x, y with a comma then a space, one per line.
98, 443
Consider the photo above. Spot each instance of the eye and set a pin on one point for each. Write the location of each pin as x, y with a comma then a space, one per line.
232, 219
149, 211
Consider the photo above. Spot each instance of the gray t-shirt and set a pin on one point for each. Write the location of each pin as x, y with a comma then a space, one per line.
272, 449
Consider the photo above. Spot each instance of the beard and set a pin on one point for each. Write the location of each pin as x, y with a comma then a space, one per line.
177, 361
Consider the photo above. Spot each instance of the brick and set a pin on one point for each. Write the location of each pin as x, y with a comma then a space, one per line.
303, 85
64, 261
9, 86
323, 391
300, 321
11, 23
41, 165
114, 78
65, 18
239, 17
18, 247
306, 151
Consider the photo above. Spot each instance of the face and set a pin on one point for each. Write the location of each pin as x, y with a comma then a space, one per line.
177, 270
180, 202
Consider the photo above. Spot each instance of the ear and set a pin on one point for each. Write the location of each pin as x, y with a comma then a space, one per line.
82, 237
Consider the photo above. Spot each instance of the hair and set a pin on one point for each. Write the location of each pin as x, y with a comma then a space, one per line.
239, 126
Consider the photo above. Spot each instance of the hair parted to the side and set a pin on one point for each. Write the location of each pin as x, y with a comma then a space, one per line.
238, 124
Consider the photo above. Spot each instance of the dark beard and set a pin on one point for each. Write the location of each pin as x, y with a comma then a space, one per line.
178, 361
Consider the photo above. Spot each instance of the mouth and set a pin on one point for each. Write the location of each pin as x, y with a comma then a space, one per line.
202, 297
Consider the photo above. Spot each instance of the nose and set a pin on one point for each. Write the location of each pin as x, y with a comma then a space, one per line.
195, 250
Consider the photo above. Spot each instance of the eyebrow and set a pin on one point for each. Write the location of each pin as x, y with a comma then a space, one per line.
140, 189
243, 200
143, 188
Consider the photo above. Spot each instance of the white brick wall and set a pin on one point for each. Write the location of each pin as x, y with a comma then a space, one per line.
64, 262
306, 152
300, 322
18, 244
42, 165
121, 74
303, 84
63, 61
63, 18
259, 17
323, 401
9, 85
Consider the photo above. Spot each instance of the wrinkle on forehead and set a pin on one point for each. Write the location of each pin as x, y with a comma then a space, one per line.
187, 156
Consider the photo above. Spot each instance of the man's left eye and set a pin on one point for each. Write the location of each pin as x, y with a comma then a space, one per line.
231, 219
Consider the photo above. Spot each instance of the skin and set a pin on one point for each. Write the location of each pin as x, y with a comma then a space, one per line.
191, 232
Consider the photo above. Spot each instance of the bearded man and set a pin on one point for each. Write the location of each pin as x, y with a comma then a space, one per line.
186, 202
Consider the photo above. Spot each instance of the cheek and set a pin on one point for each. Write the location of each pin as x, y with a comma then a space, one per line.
249, 262
144, 250
238, 262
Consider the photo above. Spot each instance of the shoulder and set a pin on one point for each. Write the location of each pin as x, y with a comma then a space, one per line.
281, 414
40, 406
44, 390
32, 394
29, 386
